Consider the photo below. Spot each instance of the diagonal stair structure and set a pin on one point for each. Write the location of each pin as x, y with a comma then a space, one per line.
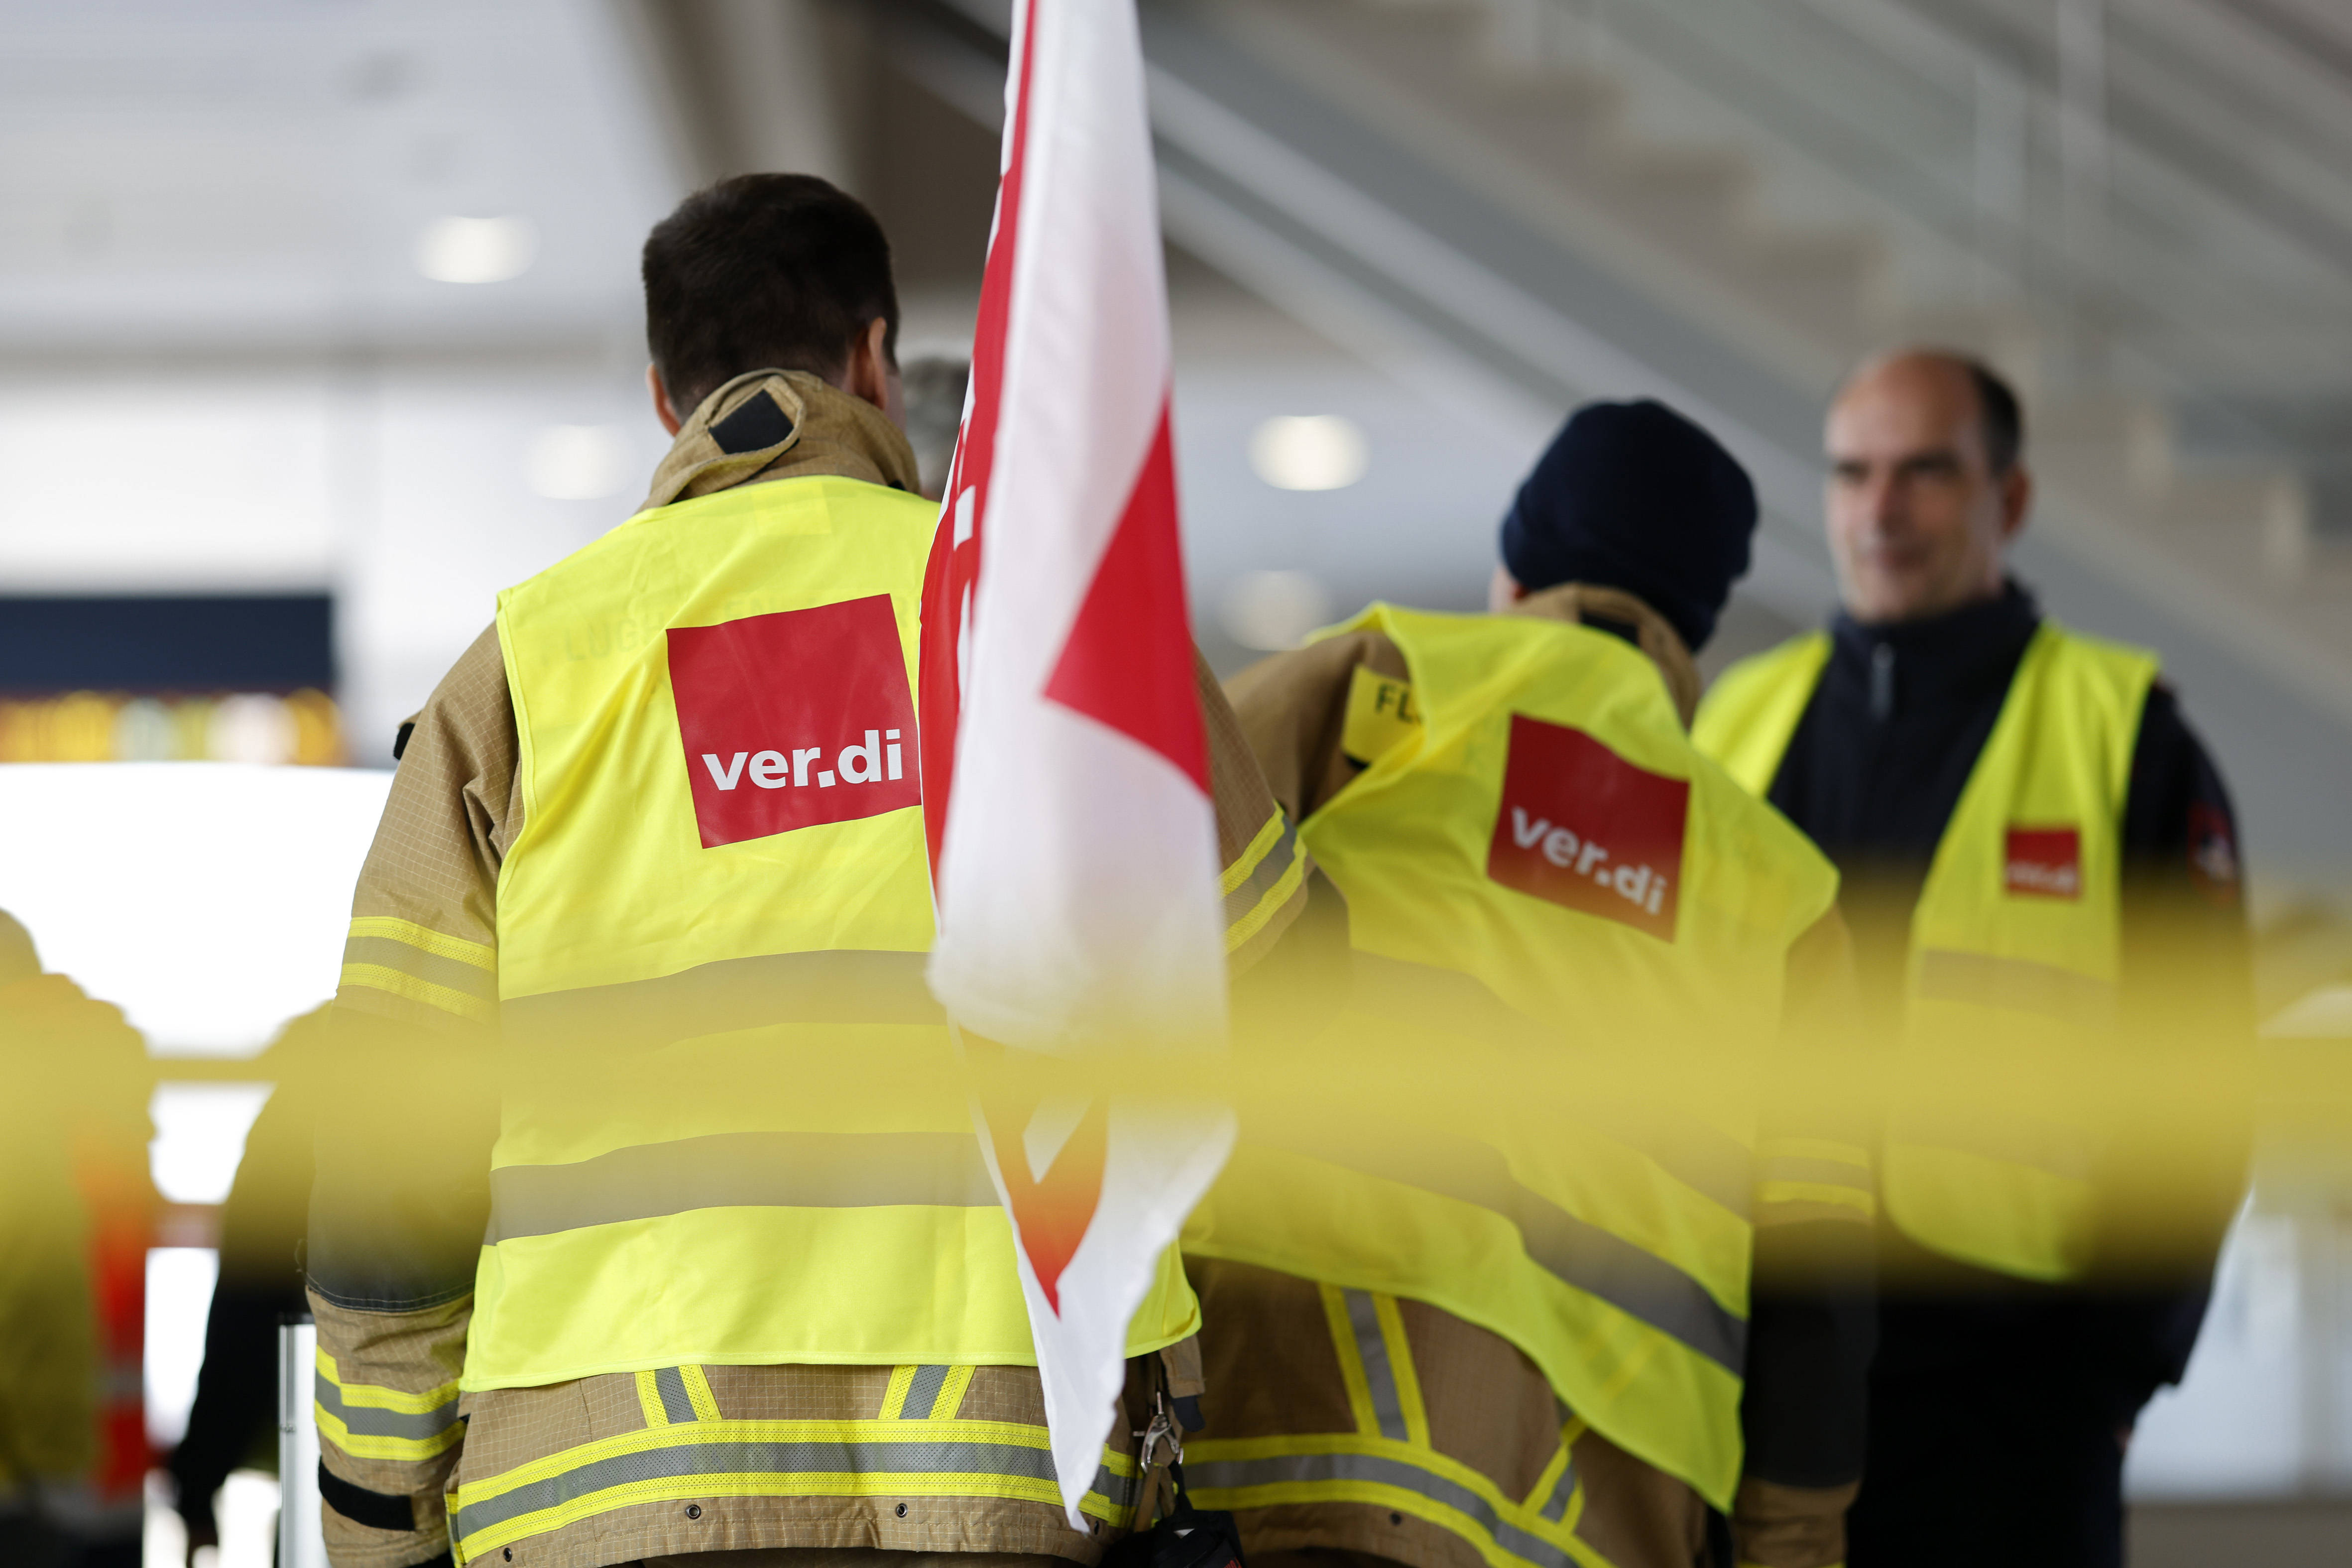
1521, 203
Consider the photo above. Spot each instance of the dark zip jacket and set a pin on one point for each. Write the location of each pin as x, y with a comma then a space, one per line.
1872, 774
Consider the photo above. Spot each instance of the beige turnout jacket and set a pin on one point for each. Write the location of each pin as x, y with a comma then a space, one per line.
398, 1435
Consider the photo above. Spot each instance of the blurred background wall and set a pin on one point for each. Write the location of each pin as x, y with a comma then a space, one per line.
318, 324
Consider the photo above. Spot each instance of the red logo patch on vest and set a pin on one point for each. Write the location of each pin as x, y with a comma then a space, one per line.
1587, 829
2043, 863
794, 719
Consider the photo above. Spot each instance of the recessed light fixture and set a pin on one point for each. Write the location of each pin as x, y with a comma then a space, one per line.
577, 462
1270, 611
476, 249
1309, 452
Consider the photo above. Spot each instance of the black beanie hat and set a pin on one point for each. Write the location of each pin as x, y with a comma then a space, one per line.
1634, 496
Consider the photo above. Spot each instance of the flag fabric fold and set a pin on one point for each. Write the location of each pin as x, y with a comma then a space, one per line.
1065, 760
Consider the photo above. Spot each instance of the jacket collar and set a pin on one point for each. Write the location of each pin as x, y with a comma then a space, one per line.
1614, 611
781, 425
1912, 666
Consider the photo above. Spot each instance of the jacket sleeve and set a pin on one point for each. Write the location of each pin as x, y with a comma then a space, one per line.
260, 1281
1293, 710
2188, 1003
406, 1114
1264, 867
1813, 1314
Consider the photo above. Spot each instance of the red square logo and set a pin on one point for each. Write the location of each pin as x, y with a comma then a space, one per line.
794, 719
2043, 863
1585, 828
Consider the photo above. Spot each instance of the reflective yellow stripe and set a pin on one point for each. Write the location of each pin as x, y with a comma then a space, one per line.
771, 1484
697, 1390
377, 978
1553, 1469
951, 1392
893, 1398
1401, 1367
376, 1396
426, 940
400, 1450
368, 1421
649, 1399
1012, 1434
702, 1459
1267, 1472
1256, 885
1559, 1493
1259, 849
1250, 924
1351, 1364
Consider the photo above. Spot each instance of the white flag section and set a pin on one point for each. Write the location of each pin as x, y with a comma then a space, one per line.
1065, 764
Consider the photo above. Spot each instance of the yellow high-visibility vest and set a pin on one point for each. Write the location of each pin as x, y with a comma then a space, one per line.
2015, 946
1545, 881
720, 874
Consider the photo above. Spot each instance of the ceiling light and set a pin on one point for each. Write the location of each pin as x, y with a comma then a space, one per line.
1270, 611
578, 462
1309, 452
476, 249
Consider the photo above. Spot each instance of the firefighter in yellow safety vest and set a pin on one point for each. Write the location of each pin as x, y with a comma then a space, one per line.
1606, 1299
649, 901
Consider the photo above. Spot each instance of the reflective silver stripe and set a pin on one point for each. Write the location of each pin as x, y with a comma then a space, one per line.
670, 1384
923, 1392
915, 1455
844, 987
2017, 985
729, 1170
1447, 1001
1717, 1167
1580, 1255
1206, 1476
454, 973
1819, 1173
1379, 1377
1269, 870
373, 1421
1555, 1508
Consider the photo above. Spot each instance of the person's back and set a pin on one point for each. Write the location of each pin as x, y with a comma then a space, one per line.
1534, 1294
733, 1277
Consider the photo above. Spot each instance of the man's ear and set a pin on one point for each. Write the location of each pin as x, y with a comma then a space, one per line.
870, 376
663, 411
2016, 500
1503, 590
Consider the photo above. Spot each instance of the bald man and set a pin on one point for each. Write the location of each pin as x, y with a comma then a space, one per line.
2038, 858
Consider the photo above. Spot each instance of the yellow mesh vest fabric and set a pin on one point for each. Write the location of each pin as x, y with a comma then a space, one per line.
2014, 947
667, 1188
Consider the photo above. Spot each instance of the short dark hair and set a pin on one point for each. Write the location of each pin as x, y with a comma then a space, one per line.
761, 271
2000, 419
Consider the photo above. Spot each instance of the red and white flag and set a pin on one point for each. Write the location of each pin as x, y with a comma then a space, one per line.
1074, 856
